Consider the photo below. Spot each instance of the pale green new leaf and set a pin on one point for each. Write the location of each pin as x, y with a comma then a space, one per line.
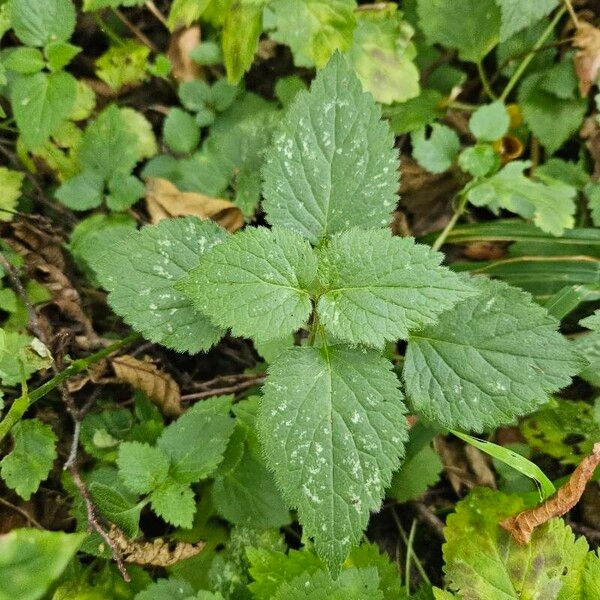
470, 26
483, 561
489, 122
31, 458
142, 468
490, 359
123, 64
333, 428
551, 205
517, 15
255, 283
140, 271
41, 103
175, 503
437, 152
377, 287
313, 29
195, 443
332, 163
31, 560
37, 23
10, 183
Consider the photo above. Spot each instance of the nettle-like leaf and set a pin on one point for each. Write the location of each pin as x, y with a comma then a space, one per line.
31, 458
140, 272
333, 428
490, 359
255, 283
39, 23
517, 15
332, 163
377, 287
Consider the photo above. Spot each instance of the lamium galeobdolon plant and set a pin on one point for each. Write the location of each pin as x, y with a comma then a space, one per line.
332, 416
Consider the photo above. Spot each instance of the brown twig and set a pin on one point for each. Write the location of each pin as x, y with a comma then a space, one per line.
21, 511
137, 32
232, 389
225, 379
159, 16
430, 518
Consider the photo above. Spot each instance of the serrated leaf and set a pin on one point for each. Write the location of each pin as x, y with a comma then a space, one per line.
117, 508
255, 283
478, 160
139, 272
38, 23
180, 131
483, 561
592, 322
313, 29
142, 467
241, 30
175, 503
27, 551
41, 103
492, 358
123, 64
470, 26
376, 287
195, 443
332, 424
31, 458
437, 152
332, 163
551, 205
82, 192
17, 360
517, 15
10, 183
352, 584
489, 122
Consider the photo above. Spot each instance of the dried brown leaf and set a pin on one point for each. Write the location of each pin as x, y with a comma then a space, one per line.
587, 59
158, 553
164, 201
480, 465
182, 42
590, 132
159, 386
521, 526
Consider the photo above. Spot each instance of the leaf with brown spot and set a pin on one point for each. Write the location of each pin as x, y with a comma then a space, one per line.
159, 386
182, 42
164, 201
587, 59
522, 525
158, 553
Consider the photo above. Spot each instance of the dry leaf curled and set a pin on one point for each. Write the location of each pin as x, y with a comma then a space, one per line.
587, 59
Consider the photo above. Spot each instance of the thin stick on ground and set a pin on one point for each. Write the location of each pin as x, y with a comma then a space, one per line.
232, 389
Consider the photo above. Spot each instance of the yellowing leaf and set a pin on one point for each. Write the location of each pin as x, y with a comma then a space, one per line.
10, 184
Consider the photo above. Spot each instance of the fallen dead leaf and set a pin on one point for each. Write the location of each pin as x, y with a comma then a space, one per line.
521, 526
182, 42
590, 132
479, 463
159, 386
587, 58
164, 200
158, 553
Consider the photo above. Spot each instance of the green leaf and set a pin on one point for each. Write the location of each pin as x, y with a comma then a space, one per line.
24, 552
195, 443
313, 29
478, 160
10, 183
125, 191
180, 131
437, 152
117, 508
483, 561
41, 103
207, 53
167, 589
175, 503
25, 60
82, 192
137, 125
382, 55
140, 270
60, 54
352, 584
31, 458
255, 283
123, 64
552, 119
332, 163
241, 30
18, 358
376, 287
332, 425
416, 112
142, 468
470, 26
492, 358
517, 15
489, 122
592, 192
420, 469
551, 205
39, 23
592, 322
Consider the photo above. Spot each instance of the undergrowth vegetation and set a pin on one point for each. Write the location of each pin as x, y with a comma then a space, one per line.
299, 299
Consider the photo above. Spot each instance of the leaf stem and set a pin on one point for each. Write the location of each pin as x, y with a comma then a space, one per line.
23, 402
485, 82
460, 209
525, 62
